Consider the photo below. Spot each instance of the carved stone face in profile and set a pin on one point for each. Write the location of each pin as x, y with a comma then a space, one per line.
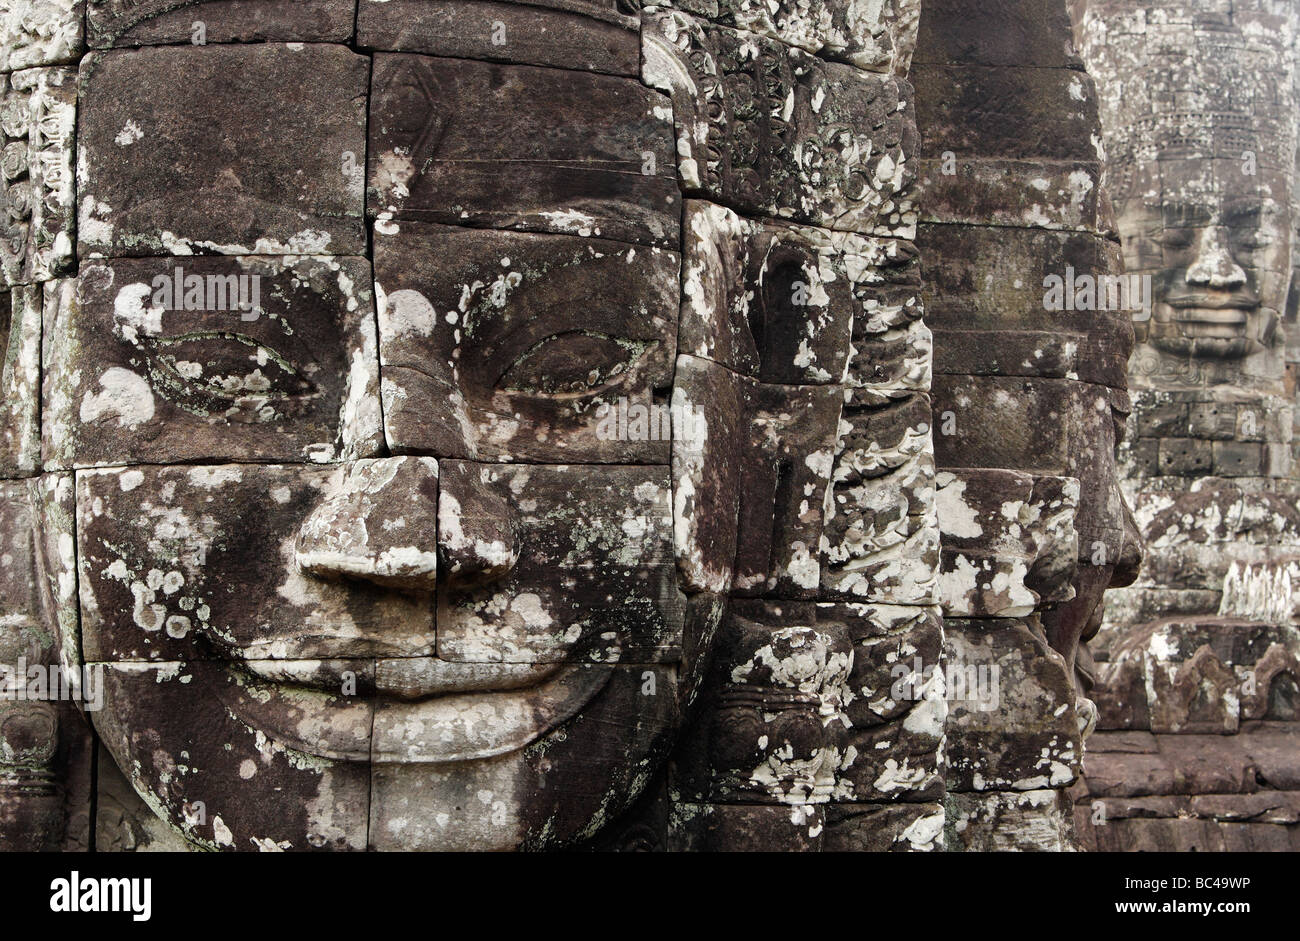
437, 564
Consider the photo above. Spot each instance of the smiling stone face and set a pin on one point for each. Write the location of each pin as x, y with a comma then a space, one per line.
1200, 166
1219, 262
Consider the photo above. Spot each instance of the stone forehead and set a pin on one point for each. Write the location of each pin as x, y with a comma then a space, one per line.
1187, 79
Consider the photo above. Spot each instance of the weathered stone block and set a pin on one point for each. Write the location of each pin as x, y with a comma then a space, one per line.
158, 22
723, 828
1189, 457
884, 828
882, 533
1215, 421
238, 359
521, 147
1017, 193
1027, 821
1014, 725
1238, 458
831, 146
250, 167
598, 35
1006, 32
965, 111
20, 368
1008, 541
895, 648
1160, 836
773, 728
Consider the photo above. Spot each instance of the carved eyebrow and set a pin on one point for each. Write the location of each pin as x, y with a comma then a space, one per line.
1187, 214
1243, 210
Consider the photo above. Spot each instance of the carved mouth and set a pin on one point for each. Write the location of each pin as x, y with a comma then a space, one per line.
1212, 317
1212, 323
423, 710
1214, 309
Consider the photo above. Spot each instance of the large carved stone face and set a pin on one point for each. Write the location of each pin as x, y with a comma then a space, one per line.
320, 643
386, 534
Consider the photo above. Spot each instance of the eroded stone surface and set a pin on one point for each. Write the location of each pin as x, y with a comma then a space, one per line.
37, 117
219, 359
830, 145
879, 37
112, 23
228, 157
1014, 725
588, 155
20, 399
40, 32
46, 751
600, 35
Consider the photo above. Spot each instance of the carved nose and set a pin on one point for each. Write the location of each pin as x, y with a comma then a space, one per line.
1214, 266
377, 522
477, 541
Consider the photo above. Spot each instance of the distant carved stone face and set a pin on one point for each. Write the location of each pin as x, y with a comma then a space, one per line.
1200, 140
1221, 263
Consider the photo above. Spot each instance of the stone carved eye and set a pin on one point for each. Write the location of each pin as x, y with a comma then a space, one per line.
212, 371
1254, 239
575, 362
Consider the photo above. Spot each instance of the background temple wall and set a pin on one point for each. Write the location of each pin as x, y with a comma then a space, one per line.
1196, 745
